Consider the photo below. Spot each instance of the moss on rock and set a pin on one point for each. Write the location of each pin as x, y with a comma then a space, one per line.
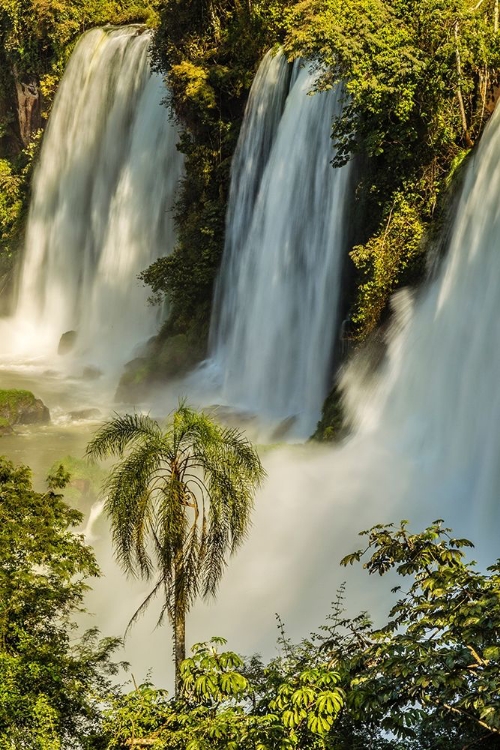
21, 407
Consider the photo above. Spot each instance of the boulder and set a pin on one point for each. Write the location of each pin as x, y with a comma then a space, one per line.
82, 414
67, 342
21, 407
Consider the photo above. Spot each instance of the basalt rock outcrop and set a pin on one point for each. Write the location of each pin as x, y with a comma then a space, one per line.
21, 407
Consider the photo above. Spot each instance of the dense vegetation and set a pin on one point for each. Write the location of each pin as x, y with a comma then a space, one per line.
420, 80
429, 678
209, 52
419, 77
51, 682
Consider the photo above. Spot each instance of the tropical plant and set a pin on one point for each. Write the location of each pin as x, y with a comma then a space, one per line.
419, 77
179, 500
225, 705
427, 680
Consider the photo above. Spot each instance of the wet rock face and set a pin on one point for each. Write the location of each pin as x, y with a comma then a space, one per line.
28, 108
67, 342
21, 407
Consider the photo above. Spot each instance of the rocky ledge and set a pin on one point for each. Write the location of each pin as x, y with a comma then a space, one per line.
21, 407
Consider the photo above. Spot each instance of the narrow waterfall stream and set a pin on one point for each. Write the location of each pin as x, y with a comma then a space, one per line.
277, 297
101, 207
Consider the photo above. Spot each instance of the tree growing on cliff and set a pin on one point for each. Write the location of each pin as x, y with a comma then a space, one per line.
179, 500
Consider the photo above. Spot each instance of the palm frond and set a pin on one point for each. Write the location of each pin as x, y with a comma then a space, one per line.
179, 501
145, 604
130, 506
113, 437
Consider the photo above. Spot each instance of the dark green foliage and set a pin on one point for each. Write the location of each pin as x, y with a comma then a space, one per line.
225, 705
50, 683
434, 668
419, 77
428, 680
331, 427
209, 52
35, 34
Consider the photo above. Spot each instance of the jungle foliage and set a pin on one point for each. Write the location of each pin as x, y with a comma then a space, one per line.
420, 82
429, 678
209, 52
420, 79
51, 682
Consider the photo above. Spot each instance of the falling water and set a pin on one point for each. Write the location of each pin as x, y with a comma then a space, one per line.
427, 425
436, 402
277, 295
101, 207
425, 444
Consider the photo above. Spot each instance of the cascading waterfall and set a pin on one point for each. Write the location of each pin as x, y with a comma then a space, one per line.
426, 436
425, 443
436, 402
101, 206
277, 295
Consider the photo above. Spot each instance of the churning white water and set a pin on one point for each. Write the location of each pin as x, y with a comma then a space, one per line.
426, 442
101, 206
277, 296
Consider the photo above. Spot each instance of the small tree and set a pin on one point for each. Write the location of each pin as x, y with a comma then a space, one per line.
179, 500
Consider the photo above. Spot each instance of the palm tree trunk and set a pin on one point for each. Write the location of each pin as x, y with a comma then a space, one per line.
179, 645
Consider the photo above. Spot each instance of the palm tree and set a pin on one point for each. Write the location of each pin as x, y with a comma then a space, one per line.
179, 500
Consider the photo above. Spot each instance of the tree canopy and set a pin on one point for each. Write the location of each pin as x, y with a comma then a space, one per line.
50, 681
428, 679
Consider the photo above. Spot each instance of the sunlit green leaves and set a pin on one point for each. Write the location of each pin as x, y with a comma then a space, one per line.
439, 648
418, 77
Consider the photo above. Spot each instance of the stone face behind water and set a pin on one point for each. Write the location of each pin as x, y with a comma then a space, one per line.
21, 407
67, 342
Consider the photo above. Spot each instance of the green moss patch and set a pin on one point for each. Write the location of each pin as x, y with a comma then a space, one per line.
22, 407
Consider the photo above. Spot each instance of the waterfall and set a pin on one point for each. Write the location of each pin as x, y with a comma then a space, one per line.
435, 404
101, 206
276, 300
